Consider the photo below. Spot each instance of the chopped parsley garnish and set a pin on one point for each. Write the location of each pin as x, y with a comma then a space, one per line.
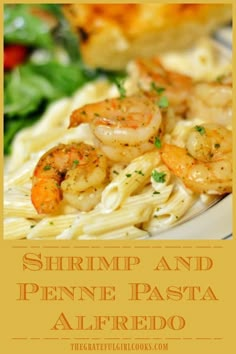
115, 172
128, 175
220, 78
51, 223
217, 146
163, 102
140, 172
156, 88
120, 82
200, 129
75, 162
156, 192
47, 168
159, 177
157, 142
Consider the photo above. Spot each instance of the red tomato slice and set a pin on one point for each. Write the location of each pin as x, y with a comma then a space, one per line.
14, 54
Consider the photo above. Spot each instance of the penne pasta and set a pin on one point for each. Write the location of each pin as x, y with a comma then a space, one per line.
17, 203
170, 212
129, 180
51, 226
126, 233
17, 228
104, 223
152, 197
97, 222
23, 174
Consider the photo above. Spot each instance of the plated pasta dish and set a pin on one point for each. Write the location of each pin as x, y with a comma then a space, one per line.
125, 161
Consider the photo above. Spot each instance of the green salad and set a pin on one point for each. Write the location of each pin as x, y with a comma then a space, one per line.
42, 63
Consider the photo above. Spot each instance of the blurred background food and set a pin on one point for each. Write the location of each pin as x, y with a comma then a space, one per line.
112, 35
51, 50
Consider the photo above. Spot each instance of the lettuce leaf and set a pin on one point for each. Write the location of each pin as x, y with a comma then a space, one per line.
21, 26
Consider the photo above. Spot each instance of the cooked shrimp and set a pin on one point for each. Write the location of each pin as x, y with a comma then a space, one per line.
124, 127
209, 142
71, 168
205, 165
153, 76
212, 102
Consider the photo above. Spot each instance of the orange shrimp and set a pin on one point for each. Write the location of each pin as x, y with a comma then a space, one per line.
71, 168
205, 165
153, 76
124, 128
212, 101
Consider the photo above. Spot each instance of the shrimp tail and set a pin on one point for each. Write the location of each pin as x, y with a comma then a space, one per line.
78, 117
48, 200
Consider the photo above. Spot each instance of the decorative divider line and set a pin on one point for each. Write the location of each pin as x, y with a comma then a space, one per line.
117, 338
112, 247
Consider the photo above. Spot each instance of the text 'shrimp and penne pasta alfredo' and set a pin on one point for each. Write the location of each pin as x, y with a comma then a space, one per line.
128, 158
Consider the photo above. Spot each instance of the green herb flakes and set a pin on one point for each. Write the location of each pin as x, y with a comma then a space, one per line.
163, 102
120, 82
139, 172
156, 88
220, 78
157, 142
159, 177
200, 129
75, 162
47, 168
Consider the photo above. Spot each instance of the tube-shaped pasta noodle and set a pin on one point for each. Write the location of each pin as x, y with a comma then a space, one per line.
51, 226
104, 223
169, 213
134, 175
99, 223
17, 228
150, 197
76, 228
17, 203
24, 173
72, 231
126, 233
